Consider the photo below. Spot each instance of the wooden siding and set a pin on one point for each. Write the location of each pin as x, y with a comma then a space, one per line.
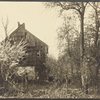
36, 49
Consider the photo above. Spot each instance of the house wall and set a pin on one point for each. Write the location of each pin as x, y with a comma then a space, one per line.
36, 49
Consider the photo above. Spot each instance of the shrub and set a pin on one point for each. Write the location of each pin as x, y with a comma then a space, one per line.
10, 56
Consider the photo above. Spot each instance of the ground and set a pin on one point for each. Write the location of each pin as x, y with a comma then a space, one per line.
50, 91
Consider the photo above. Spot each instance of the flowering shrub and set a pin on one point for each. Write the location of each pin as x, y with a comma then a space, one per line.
10, 56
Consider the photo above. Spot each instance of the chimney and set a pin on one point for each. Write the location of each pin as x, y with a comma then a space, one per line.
18, 24
23, 25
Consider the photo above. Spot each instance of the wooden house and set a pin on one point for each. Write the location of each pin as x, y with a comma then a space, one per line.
37, 50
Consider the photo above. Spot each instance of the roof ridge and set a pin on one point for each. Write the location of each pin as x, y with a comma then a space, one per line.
36, 37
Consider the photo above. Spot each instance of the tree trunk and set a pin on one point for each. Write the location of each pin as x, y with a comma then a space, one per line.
83, 78
96, 50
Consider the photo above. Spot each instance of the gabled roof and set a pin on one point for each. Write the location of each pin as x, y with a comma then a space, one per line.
29, 34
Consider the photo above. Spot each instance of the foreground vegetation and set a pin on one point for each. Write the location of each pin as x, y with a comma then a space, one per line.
57, 85
79, 43
49, 91
76, 72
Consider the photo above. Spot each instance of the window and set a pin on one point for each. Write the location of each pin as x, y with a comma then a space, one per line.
12, 42
39, 53
46, 49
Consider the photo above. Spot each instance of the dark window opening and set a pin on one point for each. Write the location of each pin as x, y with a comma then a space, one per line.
12, 42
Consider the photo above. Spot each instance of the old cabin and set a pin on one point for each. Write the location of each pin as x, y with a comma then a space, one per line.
37, 50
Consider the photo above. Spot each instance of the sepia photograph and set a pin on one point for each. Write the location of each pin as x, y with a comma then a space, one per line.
49, 49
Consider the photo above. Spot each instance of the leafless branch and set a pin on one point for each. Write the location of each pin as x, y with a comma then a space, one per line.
5, 26
68, 7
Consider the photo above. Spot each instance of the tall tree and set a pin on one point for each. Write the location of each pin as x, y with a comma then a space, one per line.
79, 8
95, 6
67, 38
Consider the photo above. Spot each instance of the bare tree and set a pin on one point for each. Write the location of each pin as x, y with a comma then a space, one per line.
95, 6
5, 26
79, 8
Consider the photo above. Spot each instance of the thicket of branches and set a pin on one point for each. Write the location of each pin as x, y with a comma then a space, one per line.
79, 43
10, 56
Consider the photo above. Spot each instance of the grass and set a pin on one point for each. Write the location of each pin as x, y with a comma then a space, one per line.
51, 91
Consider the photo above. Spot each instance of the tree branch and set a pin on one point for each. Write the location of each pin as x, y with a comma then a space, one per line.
67, 7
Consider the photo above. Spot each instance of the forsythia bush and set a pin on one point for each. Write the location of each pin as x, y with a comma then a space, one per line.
10, 56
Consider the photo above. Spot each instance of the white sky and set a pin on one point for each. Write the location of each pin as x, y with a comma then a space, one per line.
38, 20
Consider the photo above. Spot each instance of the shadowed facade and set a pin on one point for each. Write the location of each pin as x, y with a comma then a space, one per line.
36, 49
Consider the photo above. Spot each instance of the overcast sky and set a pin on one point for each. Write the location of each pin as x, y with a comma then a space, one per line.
40, 21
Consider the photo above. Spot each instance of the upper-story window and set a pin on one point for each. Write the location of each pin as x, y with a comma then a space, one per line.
12, 42
46, 49
30, 49
39, 53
